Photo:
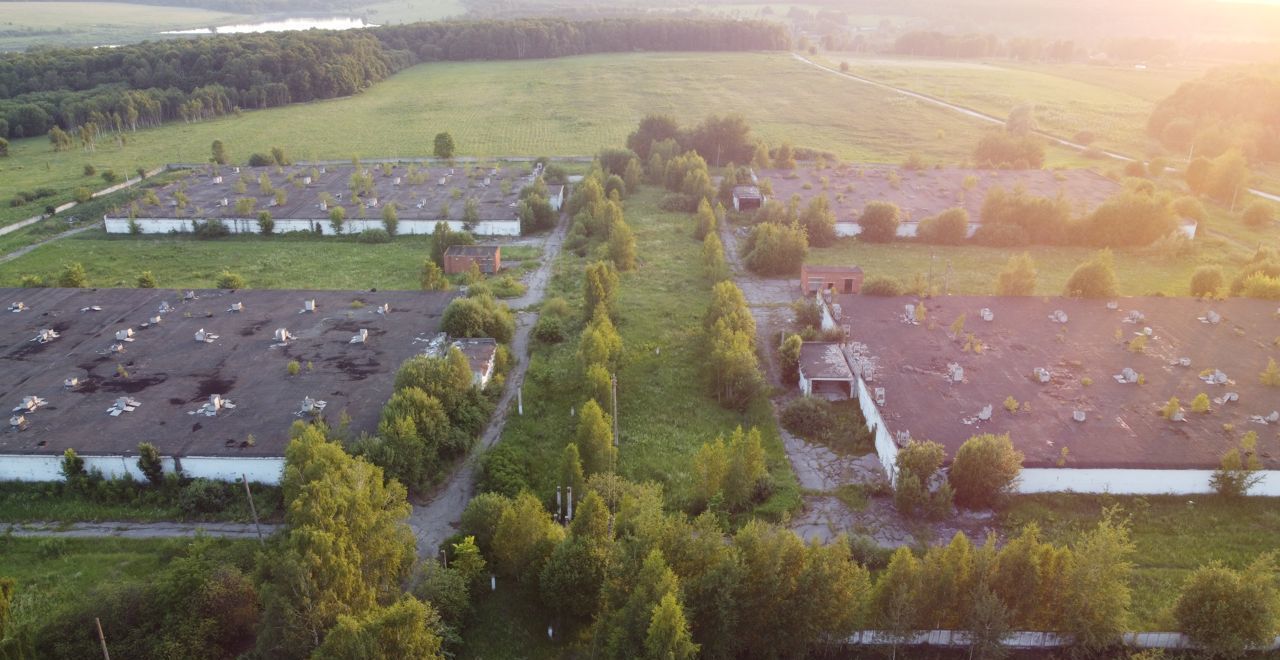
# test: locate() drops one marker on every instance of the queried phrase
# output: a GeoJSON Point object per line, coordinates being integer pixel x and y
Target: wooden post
{"type": "Point", "coordinates": [252, 509]}
{"type": "Point", "coordinates": [102, 639]}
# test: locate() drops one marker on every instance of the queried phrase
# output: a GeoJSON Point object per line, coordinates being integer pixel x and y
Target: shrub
{"type": "Point", "coordinates": [1258, 214]}
{"type": "Point", "coordinates": [149, 463]}
{"type": "Point", "coordinates": [985, 469]}
{"type": "Point", "coordinates": [807, 416]}
{"type": "Point", "coordinates": [1226, 612]}
{"type": "Point", "coordinates": [109, 176]}
{"type": "Point", "coordinates": [147, 280]}
{"type": "Point", "coordinates": [879, 222]}
{"type": "Point", "coordinates": [203, 496]}
{"type": "Point", "coordinates": [73, 276]}
{"type": "Point", "coordinates": [83, 195]}
{"type": "Point", "coordinates": [266, 225]}
{"type": "Point", "coordinates": [808, 315]}
{"type": "Point", "coordinates": [1018, 277]}
{"type": "Point", "coordinates": [374, 236]}
{"type": "Point", "coordinates": [772, 249]}
{"type": "Point", "coordinates": [1206, 281]}
{"type": "Point", "coordinates": [951, 227]}
{"type": "Point", "coordinates": [1260, 286]}
{"type": "Point", "coordinates": [998, 149]}
{"type": "Point", "coordinates": [210, 229]}
{"type": "Point", "coordinates": [478, 316]}
{"type": "Point", "coordinates": [1271, 375]}
{"type": "Point", "coordinates": [229, 280]}
{"type": "Point", "coordinates": [789, 359]}
{"type": "Point", "coordinates": [999, 235]}
{"type": "Point", "coordinates": [293, 368]}
{"type": "Point", "coordinates": [1095, 278]}
{"type": "Point", "coordinates": [260, 160]}
{"type": "Point", "coordinates": [879, 285]}
{"type": "Point", "coordinates": [90, 170]}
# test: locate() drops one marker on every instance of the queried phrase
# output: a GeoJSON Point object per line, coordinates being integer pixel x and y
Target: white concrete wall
{"type": "Point", "coordinates": [828, 321]}
{"type": "Point", "coordinates": [1132, 481]}
{"type": "Point", "coordinates": [48, 467]}
{"type": "Point", "coordinates": [885, 448]}
{"type": "Point", "coordinates": [806, 387]}
{"type": "Point", "coordinates": [905, 229]}
{"type": "Point", "coordinates": [350, 226]}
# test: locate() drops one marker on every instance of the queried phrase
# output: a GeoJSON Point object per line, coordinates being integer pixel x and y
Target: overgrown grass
{"type": "Point", "coordinates": [1174, 535]}
{"type": "Point", "coordinates": [53, 502]}
{"type": "Point", "coordinates": [664, 407]}
{"type": "Point", "coordinates": [972, 269]}
{"type": "Point", "coordinates": [279, 262]}
{"type": "Point", "coordinates": [508, 623]}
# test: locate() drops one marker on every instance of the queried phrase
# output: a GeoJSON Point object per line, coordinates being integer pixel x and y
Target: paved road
{"type": "Point", "coordinates": [982, 116]}
{"type": "Point", "coordinates": [437, 520]}
{"type": "Point", "coordinates": [136, 530]}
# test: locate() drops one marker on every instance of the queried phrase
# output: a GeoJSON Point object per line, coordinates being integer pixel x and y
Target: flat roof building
{"type": "Point", "coordinates": [196, 375]}
{"type": "Point", "coordinates": [458, 258]}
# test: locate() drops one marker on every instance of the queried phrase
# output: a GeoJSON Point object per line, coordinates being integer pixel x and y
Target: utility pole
{"type": "Point", "coordinates": [252, 509]}
{"type": "Point", "coordinates": [613, 386]}
{"type": "Point", "coordinates": [102, 639]}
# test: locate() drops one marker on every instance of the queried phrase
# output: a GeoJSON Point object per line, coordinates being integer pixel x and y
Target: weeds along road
{"type": "Point", "coordinates": [140, 530]}
{"type": "Point", "coordinates": [437, 520]}
{"type": "Point", "coordinates": [982, 116]}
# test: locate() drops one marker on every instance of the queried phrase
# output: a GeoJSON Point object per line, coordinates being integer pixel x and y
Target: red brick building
{"type": "Point", "coordinates": [843, 279]}
{"type": "Point", "coordinates": [458, 258]}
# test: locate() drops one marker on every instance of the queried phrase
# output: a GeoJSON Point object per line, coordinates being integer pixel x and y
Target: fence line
{"type": "Point", "coordinates": [1026, 640]}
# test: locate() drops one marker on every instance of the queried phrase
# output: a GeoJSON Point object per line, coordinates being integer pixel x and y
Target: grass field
{"type": "Point", "coordinates": [974, 268]}
{"type": "Point", "coordinates": [1173, 535]}
{"type": "Point", "coordinates": [411, 11]}
{"type": "Point", "coordinates": [22, 502]}
{"type": "Point", "coordinates": [664, 410]}
{"type": "Point", "coordinates": [25, 24]}
{"type": "Point", "coordinates": [1112, 102]}
{"type": "Point", "coordinates": [569, 106]}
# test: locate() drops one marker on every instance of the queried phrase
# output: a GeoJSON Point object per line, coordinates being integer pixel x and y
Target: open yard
{"type": "Point", "coordinates": [1173, 535]}
{"type": "Point", "coordinates": [665, 411]}
{"type": "Point", "coordinates": [569, 106]}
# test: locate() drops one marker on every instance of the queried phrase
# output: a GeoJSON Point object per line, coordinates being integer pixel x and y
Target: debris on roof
{"type": "Point", "coordinates": [30, 403]}
{"type": "Point", "coordinates": [45, 335]}
{"type": "Point", "coordinates": [17, 306]}
{"type": "Point", "coordinates": [123, 404]}
{"type": "Point", "coordinates": [215, 405]}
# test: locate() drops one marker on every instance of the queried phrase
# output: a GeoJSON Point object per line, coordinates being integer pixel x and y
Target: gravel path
{"type": "Point", "coordinates": [137, 530]}
{"type": "Point", "coordinates": [437, 520]}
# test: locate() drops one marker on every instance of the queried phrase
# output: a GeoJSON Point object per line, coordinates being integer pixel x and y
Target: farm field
{"type": "Point", "coordinates": [394, 12]}
{"type": "Point", "coordinates": [569, 106]}
{"type": "Point", "coordinates": [974, 268]}
{"type": "Point", "coordinates": [24, 24]}
{"type": "Point", "coordinates": [1172, 535]}
{"type": "Point", "coordinates": [1111, 102]}
{"type": "Point", "coordinates": [665, 412]}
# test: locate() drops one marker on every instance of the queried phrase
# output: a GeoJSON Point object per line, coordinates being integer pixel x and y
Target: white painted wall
{"type": "Point", "coordinates": [48, 467]}
{"type": "Point", "coordinates": [885, 448]}
{"type": "Point", "coordinates": [910, 229]}
{"type": "Point", "coordinates": [1132, 481]}
{"type": "Point", "coordinates": [806, 387]}
{"type": "Point", "coordinates": [828, 321]}
{"type": "Point", "coordinates": [350, 226]}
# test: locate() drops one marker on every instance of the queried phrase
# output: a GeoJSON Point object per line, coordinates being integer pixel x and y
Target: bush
{"type": "Point", "coordinates": [882, 286]}
{"type": "Point", "coordinates": [1226, 612]}
{"type": "Point", "coordinates": [1018, 277]}
{"type": "Point", "coordinates": [266, 225]}
{"type": "Point", "coordinates": [808, 417]}
{"type": "Point", "coordinates": [229, 280]}
{"type": "Point", "coordinates": [1001, 236]}
{"type": "Point", "coordinates": [478, 316]}
{"type": "Point", "coordinates": [772, 249]}
{"type": "Point", "coordinates": [260, 160]}
{"type": "Point", "coordinates": [147, 280]}
{"type": "Point", "coordinates": [998, 149]}
{"type": "Point", "coordinates": [1095, 278]}
{"type": "Point", "coordinates": [985, 469]}
{"type": "Point", "coordinates": [83, 195]}
{"type": "Point", "coordinates": [1206, 282]}
{"type": "Point", "coordinates": [1260, 286]}
{"type": "Point", "coordinates": [951, 227]}
{"type": "Point", "coordinates": [1258, 214]}
{"type": "Point", "coordinates": [203, 496]}
{"type": "Point", "coordinates": [879, 222]}
{"type": "Point", "coordinates": [109, 176]}
{"type": "Point", "coordinates": [503, 471]}
{"type": "Point", "coordinates": [679, 203]}
{"type": "Point", "coordinates": [73, 276]}
{"type": "Point", "coordinates": [210, 229]}
{"type": "Point", "coordinates": [1128, 219]}
{"type": "Point", "coordinates": [374, 236]}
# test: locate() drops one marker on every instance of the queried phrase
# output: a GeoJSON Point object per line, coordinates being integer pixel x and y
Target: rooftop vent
{"type": "Point", "coordinates": [312, 406]}
{"type": "Point", "coordinates": [30, 403]}
{"type": "Point", "coordinates": [879, 395]}
{"type": "Point", "coordinates": [443, 179]}
{"type": "Point", "coordinates": [45, 336]}
{"type": "Point", "coordinates": [124, 335]}
{"type": "Point", "coordinates": [92, 308]}
{"type": "Point", "coordinates": [155, 320]}
{"type": "Point", "coordinates": [902, 438]}
{"type": "Point", "coordinates": [1042, 375]}
{"type": "Point", "coordinates": [1148, 331]}
{"type": "Point", "coordinates": [164, 307]}
{"type": "Point", "coordinates": [214, 406]}
{"type": "Point", "coordinates": [18, 422]}
{"type": "Point", "coordinates": [1135, 316]}
{"type": "Point", "coordinates": [324, 206]}
{"type": "Point", "coordinates": [1127, 375]}
{"type": "Point", "coordinates": [117, 347]}
{"type": "Point", "coordinates": [71, 383]}
{"type": "Point", "coordinates": [1058, 316]}
{"type": "Point", "coordinates": [306, 180]}
{"type": "Point", "coordinates": [955, 373]}
{"type": "Point", "coordinates": [123, 405]}
{"type": "Point", "coordinates": [1184, 362]}
{"type": "Point", "coordinates": [985, 413]}
{"type": "Point", "coordinates": [17, 306]}
{"type": "Point", "coordinates": [224, 202]}
{"type": "Point", "coordinates": [986, 314]}
{"type": "Point", "coordinates": [236, 307]}
{"type": "Point", "coordinates": [384, 308]}
{"type": "Point", "coordinates": [1078, 415]}
{"type": "Point", "coordinates": [360, 337]}
{"type": "Point", "coordinates": [189, 295]}
{"type": "Point", "coordinates": [217, 179]}
{"type": "Point", "coordinates": [1229, 397]}
{"type": "Point", "coordinates": [322, 170]}
{"type": "Point", "coordinates": [396, 181]}
{"type": "Point", "coordinates": [308, 306]}
{"type": "Point", "coordinates": [1113, 305]}
{"type": "Point", "coordinates": [1211, 317]}
{"type": "Point", "coordinates": [1215, 378]}
{"type": "Point", "coordinates": [282, 336]}
{"type": "Point", "coordinates": [205, 337]}
{"type": "Point", "coordinates": [237, 170]}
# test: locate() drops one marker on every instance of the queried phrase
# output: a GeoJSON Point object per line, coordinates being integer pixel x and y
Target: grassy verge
{"type": "Point", "coordinates": [53, 501]}
{"type": "Point", "coordinates": [1174, 535]}
{"type": "Point", "coordinates": [279, 262]}
{"type": "Point", "coordinates": [973, 269]}
{"type": "Point", "coordinates": [507, 623]}
{"type": "Point", "coordinates": [664, 409]}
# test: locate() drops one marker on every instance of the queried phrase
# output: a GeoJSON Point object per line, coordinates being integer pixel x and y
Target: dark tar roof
{"type": "Point", "coordinates": [747, 192]}
{"type": "Point", "coordinates": [1122, 428]}
{"type": "Point", "coordinates": [171, 374]}
{"type": "Point", "coordinates": [472, 250]}
{"type": "Point", "coordinates": [479, 352]}
{"type": "Point", "coordinates": [824, 361]}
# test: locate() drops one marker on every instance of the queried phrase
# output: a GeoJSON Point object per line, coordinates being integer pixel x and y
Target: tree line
{"type": "Point", "coordinates": [121, 89]}
{"type": "Point", "coordinates": [1228, 107]}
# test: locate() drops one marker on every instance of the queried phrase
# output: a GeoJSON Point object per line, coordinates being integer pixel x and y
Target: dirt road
{"type": "Point", "coordinates": [137, 530]}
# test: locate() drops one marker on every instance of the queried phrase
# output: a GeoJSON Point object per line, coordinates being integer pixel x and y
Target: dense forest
{"type": "Point", "coordinates": [1231, 107]}
{"type": "Point", "coordinates": [150, 83]}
